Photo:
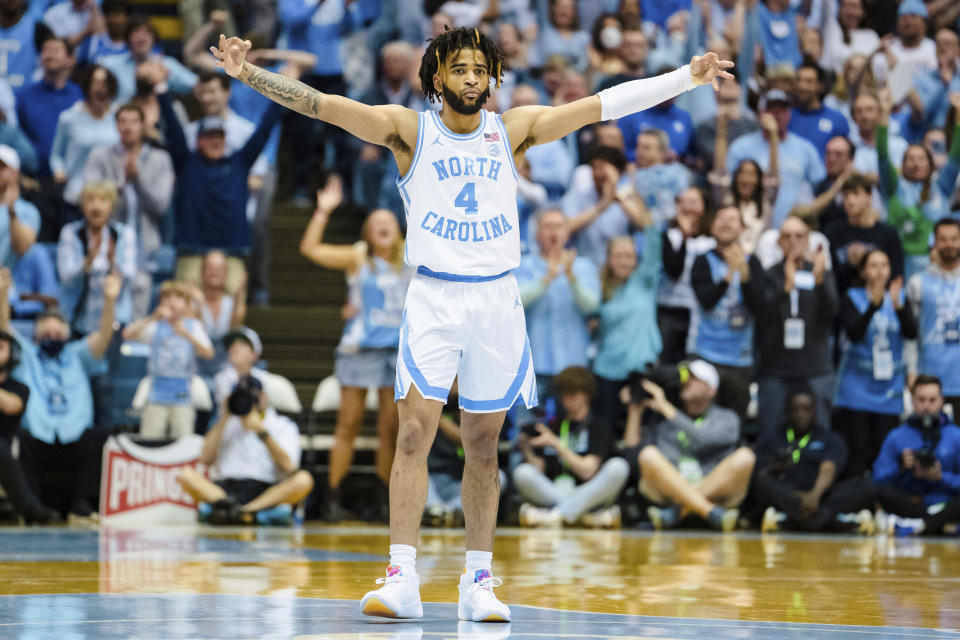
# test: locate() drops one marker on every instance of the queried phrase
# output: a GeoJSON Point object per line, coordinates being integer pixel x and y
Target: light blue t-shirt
{"type": "Point", "coordinates": [659, 187]}
{"type": "Point", "coordinates": [573, 48]}
{"type": "Point", "coordinates": [723, 334]}
{"type": "Point", "coordinates": [27, 214]}
{"type": "Point", "coordinates": [935, 96]}
{"type": "Point", "coordinates": [858, 388]}
{"type": "Point", "coordinates": [778, 36]}
{"type": "Point", "coordinates": [318, 27]}
{"type": "Point", "coordinates": [939, 338]}
{"type": "Point", "coordinates": [61, 403]}
{"type": "Point", "coordinates": [628, 336]}
{"type": "Point", "coordinates": [173, 363]}
{"type": "Point", "coordinates": [123, 66]}
{"type": "Point", "coordinates": [557, 328]}
{"type": "Point", "coordinates": [800, 168]}
{"type": "Point", "coordinates": [19, 58]}
{"type": "Point", "coordinates": [378, 292]}
{"type": "Point", "coordinates": [551, 165]}
{"type": "Point", "coordinates": [591, 241]}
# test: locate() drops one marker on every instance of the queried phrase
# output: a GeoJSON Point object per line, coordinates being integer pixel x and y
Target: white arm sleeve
{"type": "Point", "coordinates": [637, 95]}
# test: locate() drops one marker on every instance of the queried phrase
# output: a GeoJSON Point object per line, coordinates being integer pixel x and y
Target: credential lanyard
{"type": "Point", "coordinates": [795, 451]}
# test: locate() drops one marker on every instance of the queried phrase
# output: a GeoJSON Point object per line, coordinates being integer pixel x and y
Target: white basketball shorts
{"type": "Point", "coordinates": [474, 331]}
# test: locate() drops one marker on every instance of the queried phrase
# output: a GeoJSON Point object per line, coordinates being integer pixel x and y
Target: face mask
{"type": "Point", "coordinates": [52, 347]}
{"type": "Point", "coordinates": [610, 37]}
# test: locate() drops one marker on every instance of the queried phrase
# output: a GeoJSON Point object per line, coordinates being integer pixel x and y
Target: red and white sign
{"type": "Point", "coordinates": [139, 484]}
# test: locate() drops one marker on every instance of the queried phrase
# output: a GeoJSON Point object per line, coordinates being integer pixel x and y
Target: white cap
{"type": "Point", "coordinates": [10, 157]}
{"type": "Point", "coordinates": [246, 334]}
{"type": "Point", "coordinates": [705, 372]}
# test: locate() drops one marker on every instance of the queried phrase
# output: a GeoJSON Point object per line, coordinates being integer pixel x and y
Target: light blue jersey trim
{"type": "Point", "coordinates": [426, 389]}
{"type": "Point", "coordinates": [461, 136]}
{"type": "Point", "coordinates": [510, 397]}
{"type": "Point", "coordinates": [454, 277]}
{"type": "Point", "coordinates": [506, 141]}
{"type": "Point", "coordinates": [416, 154]}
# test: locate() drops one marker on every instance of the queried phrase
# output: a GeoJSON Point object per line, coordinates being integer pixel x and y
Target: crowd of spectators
{"type": "Point", "coordinates": [778, 260]}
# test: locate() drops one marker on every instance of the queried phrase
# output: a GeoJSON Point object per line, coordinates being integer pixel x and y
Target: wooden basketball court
{"type": "Point", "coordinates": [202, 582]}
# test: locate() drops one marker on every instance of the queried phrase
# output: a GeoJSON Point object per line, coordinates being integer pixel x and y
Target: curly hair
{"type": "Point", "coordinates": [450, 42]}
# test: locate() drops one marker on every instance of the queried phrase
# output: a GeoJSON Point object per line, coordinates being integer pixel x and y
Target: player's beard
{"type": "Point", "coordinates": [461, 106]}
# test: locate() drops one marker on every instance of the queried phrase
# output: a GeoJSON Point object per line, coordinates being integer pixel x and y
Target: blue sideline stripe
{"type": "Point", "coordinates": [454, 277]}
{"type": "Point", "coordinates": [510, 397]}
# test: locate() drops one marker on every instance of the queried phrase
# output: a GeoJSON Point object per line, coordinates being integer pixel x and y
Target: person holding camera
{"type": "Point", "coordinates": [918, 469]}
{"type": "Point", "coordinates": [568, 470]}
{"type": "Point", "coordinates": [876, 319]}
{"type": "Point", "coordinates": [254, 454]}
{"type": "Point", "coordinates": [689, 460]}
{"type": "Point", "coordinates": [797, 467]}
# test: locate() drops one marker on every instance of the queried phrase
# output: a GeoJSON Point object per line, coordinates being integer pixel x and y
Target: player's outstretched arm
{"type": "Point", "coordinates": [387, 125]}
{"type": "Point", "coordinates": [532, 125]}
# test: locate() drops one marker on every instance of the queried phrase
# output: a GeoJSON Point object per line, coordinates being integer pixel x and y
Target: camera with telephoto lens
{"type": "Point", "coordinates": [929, 425]}
{"type": "Point", "coordinates": [529, 428]}
{"type": "Point", "coordinates": [926, 457]}
{"type": "Point", "coordinates": [245, 396]}
{"type": "Point", "coordinates": [667, 377]}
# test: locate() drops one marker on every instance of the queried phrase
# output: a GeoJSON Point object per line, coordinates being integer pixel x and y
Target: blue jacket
{"type": "Point", "coordinates": [317, 27]}
{"type": "Point", "coordinates": [39, 106]}
{"type": "Point", "coordinates": [886, 469]}
{"type": "Point", "coordinates": [212, 195]}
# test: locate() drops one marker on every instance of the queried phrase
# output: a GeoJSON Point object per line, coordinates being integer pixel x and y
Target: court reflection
{"type": "Point", "coordinates": [817, 580]}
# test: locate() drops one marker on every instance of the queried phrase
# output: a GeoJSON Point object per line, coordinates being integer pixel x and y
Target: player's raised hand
{"type": "Point", "coordinates": [230, 54]}
{"type": "Point", "coordinates": [708, 68]}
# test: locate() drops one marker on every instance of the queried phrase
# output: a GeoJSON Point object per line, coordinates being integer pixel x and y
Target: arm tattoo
{"type": "Point", "coordinates": [288, 92]}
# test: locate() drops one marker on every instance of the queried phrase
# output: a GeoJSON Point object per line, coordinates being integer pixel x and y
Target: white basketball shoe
{"type": "Point", "coordinates": [399, 597]}
{"type": "Point", "coordinates": [477, 602]}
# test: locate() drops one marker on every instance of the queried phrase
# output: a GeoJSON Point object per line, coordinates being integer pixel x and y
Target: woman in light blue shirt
{"type": "Point", "coordinates": [628, 338]}
{"type": "Point", "coordinates": [84, 126]}
{"type": "Point", "coordinates": [563, 36]}
{"type": "Point", "coordinates": [366, 357]}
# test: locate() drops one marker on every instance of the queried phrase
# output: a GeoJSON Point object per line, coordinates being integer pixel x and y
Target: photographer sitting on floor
{"type": "Point", "coordinates": [254, 453]}
{"type": "Point", "coordinates": [689, 461]}
{"type": "Point", "coordinates": [797, 466]}
{"type": "Point", "coordinates": [918, 469]}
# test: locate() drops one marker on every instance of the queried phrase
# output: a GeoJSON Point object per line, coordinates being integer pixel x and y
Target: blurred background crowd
{"type": "Point", "coordinates": [775, 264]}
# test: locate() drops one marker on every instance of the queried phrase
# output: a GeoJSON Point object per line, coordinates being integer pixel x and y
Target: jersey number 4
{"type": "Point", "coordinates": [467, 199]}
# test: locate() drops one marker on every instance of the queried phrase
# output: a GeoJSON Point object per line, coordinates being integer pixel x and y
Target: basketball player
{"type": "Point", "coordinates": [463, 317]}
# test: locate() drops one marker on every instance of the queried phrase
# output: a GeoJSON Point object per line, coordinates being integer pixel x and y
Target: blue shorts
{"type": "Point", "coordinates": [366, 368]}
{"type": "Point", "coordinates": [474, 331]}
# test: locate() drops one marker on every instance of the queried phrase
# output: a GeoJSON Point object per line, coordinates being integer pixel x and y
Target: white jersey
{"type": "Point", "coordinates": [460, 196]}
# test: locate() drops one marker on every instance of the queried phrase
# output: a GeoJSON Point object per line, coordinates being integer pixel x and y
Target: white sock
{"type": "Point", "coordinates": [405, 557]}
{"type": "Point", "coordinates": [477, 560]}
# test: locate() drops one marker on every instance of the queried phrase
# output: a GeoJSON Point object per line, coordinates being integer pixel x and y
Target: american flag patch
{"type": "Point", "coordinates": [491, 137]}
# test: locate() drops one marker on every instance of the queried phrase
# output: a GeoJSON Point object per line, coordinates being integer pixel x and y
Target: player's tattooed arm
{"type": "Point", "coordinates": [288, 92]}
{"type": "Point", "coordinates": [392, 126]}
